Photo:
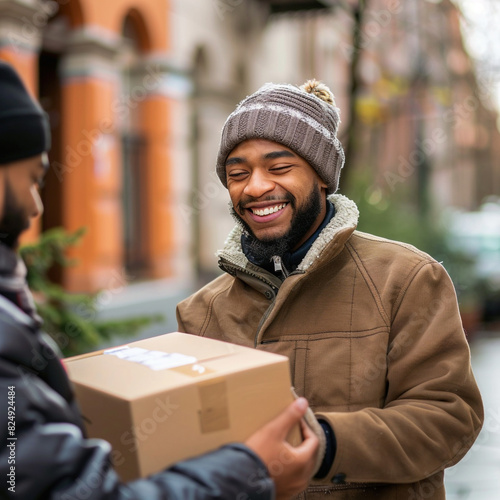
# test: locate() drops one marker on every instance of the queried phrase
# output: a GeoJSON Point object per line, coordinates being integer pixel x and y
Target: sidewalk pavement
{"type": "Point", "coordinates": [149, 299]}
{"type": "Point", "coordinates": [477, 475]}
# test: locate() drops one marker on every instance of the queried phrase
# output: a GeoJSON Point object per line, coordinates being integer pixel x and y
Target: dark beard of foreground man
{"type": "Point", "coordinates": [304, 217]}
{"type": "Point", "coordinates": [14, 220]}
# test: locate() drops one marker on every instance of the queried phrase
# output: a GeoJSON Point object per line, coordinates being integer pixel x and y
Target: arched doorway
{"type": "Point", "coordinates": [60, 18]}
{"type": "Point", "coordinates": [49, 85]}
{"type": "Point", "coordinates": [134, 145]}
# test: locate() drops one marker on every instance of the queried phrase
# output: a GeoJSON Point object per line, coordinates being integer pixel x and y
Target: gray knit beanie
{"type": "Point", "coordinates": [304, 119]}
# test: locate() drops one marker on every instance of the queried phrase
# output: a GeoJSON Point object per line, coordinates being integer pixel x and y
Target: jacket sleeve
{"type": "Point", "coordinates": [433, 410]}
{"type": "Point", "coordinates": [51, 460]}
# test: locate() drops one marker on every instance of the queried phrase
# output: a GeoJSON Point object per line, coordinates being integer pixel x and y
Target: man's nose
{"type": "Point", "coordinates": [37, 208]}
{"type": "Point", "coordinates": [259, 183]}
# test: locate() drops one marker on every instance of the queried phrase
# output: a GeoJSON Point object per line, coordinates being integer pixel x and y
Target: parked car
{"type": "Point", "coordinates": [476, 235]}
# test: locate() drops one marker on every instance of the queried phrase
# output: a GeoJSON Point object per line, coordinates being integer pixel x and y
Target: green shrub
{"type": "Point", "coordinates": [70, 319]}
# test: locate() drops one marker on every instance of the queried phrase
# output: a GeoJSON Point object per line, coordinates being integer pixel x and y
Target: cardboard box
{"type": "Point", "coordinates": [168, 398]}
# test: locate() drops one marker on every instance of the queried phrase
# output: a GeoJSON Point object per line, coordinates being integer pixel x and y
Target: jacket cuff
{"type": "Point", "coordinates": [331, 450]}
{"type": "Point", "coordinates": [248, 451]}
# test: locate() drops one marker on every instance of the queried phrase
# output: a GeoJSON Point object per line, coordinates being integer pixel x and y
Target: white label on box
{"type": "Point", "coordinates": [156, 360]}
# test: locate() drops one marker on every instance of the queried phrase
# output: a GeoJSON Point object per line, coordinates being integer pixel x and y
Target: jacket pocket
{"type": "Point", "coordinates": [362, 491]}
{"type": "Point", "coordinates": [342, 371]}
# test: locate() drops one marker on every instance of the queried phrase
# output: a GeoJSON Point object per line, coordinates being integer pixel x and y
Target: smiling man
{"type": "Point", "coordinates": [371, 326]}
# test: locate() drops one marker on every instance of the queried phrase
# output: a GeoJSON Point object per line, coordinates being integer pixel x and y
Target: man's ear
{"type": "Point", "coordinates": [321, 183]}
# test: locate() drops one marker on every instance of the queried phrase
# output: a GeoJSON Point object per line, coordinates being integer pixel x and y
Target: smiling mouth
{"type": "Point", "coordinates": [261, 212]}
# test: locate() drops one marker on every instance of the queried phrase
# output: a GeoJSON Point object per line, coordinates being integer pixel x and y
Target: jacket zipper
{"type": "Point", "coordinates": [225, 264]}
{"type": "Point", "coordinates": [280, 266]}
{"type": "Point", "coordinates": [263, 319]}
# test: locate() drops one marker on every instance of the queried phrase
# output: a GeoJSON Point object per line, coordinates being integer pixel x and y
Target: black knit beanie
{"type": "Point", "coordinates": [24, 126]}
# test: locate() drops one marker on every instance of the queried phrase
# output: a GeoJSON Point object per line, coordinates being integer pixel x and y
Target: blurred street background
{"type": "Point", "coordinates": [476, 476]}
{"type": "Point", "coordinates": [137, 92]}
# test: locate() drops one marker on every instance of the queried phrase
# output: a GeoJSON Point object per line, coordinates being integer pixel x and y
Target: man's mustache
{"type": "Point", "coordinates": [244, 202]}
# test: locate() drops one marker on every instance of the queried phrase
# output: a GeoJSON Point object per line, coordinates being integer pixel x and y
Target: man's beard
{"type": "Point", "coordinates": [302, 220]}
{"type": "Point", "coordinates": [14, 220]}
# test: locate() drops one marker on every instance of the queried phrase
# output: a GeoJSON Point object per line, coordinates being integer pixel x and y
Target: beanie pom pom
{"type": "Point", "coordinates": [320, 90]}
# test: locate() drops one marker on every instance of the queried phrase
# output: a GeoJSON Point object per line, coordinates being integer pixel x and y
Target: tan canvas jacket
{"type": "Point", "coordinates": [376, 344]}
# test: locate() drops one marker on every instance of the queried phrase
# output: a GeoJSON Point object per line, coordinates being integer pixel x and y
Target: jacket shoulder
{"type": "Point", "coordinates": [210, 290]}
{"type": "Point", "coordinates": [193, 311]}
{"type": "Point", "coordinates": [386, 249]}
{"type": "Point", "coordinates": [390, 268]}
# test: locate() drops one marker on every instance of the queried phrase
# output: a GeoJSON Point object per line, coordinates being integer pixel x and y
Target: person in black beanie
{"type": "Point", "coordinates": [43, 452]}
{"type": "Point", "coordinates": [24, 139]}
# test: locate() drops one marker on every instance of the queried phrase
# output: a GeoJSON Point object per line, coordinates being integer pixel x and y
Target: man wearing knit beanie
{"type": "Point", "coordinates": [371, 326]}
{"type": "Point", "coordinates": [24, 142]}
{"type": "Point", "coordinates": [44, 453]}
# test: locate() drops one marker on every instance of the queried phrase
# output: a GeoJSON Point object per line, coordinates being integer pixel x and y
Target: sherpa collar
{"type": "Point", "coordinates": [346, 216]}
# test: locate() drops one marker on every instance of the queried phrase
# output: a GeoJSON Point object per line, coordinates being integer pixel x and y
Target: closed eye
{"type": "Point", "coordinates": [235, 175]}
{"type": "Point", "coordinates": [280, 168]}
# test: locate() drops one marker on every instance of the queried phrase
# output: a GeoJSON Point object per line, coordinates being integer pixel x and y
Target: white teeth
{"type": "Point", "coordinates": [267, 211]}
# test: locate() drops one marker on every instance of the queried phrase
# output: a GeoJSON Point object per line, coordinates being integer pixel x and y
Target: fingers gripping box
{"type": "Point", "coordinates": [171, 397]}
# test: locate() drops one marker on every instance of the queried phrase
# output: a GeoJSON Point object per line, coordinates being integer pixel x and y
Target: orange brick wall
{"type": "Point", "coordinates": [91, 172]}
